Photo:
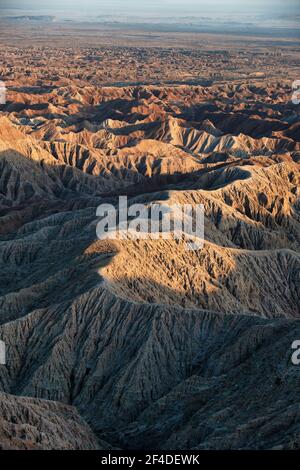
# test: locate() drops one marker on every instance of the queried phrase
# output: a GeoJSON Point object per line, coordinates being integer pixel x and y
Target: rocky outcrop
{"type": "Point", "coordinates": [32, 424]}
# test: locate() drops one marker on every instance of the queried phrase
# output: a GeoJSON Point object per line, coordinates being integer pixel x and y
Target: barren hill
{"type": "Point", "coordinates": [154, 345]}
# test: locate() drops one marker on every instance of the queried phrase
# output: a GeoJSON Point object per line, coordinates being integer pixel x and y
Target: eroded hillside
{"type": "Point", "coordinates": [156, 346]}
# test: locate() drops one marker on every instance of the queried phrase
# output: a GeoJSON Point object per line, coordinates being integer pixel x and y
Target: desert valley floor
{"type": "Point", "coordinates": [142, 344]}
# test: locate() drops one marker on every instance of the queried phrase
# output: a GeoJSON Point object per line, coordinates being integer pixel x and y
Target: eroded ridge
{"type": "Point", "coordinates": [155, 346]}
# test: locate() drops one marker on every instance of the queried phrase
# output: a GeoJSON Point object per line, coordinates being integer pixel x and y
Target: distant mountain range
{"type": "Point", "coordinates": [43, 18]}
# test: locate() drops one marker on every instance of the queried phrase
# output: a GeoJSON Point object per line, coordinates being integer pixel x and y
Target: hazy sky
{"type": "Point", "coordinates": [160, 7]}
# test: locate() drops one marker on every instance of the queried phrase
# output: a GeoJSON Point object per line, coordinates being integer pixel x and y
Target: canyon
{"type": "Point", "coordinates": [142, 344]}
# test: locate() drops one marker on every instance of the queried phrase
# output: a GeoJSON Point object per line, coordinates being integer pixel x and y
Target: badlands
{"type": "Point", "coordinates": [143, 344]}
